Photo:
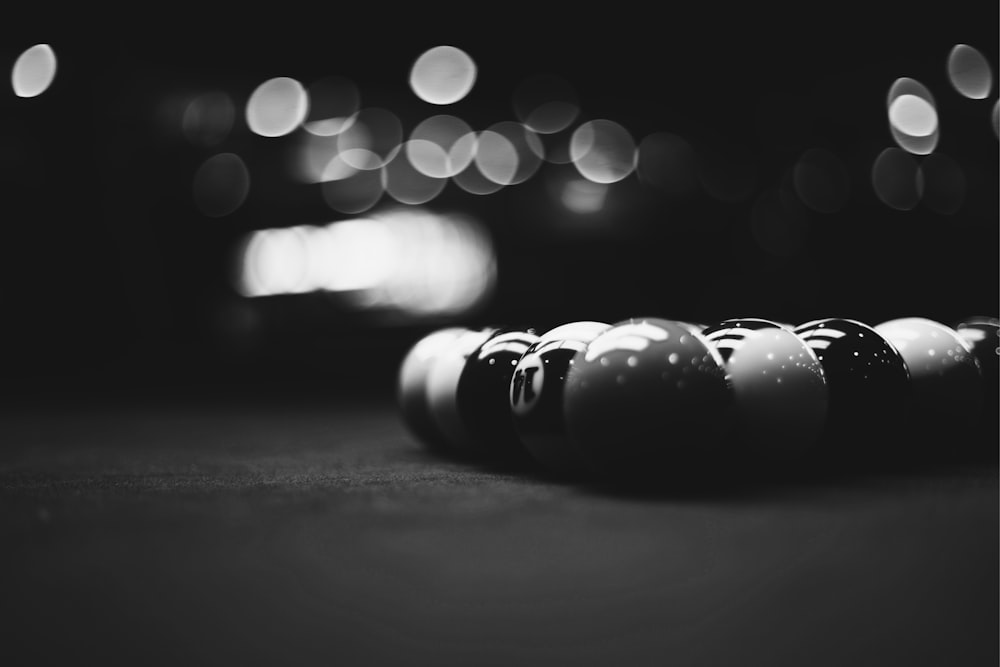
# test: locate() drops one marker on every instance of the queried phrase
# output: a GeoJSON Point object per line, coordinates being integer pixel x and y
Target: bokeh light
{"type": "Point", "coordinates": [526, 146]}
{"type": "Point", "coordinates": [913, 115]}
{"type": "Point", "coordinates": [913, 118]}
{"type": "Point", "coordinates": [221, 185]}
{"type": "Point", "coordinates": [441, 146]}
{"type": "Point", "coordinates": [407, 184]}
{"type": "Point", "coordinates": [603, 151]}
{"type": "Point", "coordinates": [496, 157]}
{"type": "Point", "coordinates": [372, 140]}
{"type": "Point", "coordinates": [208, 118]}
{"type": "Point", "coordinates": [351, 191]}
{"type": "Point", "coordinates": [474, 180]}
{"type": "Point", "coordinates": [277, 107]}
{"type": "Point", "coordinates": [333, 103]}
{"type": "Point", "coordinates": [442, 75]}
{"type": "Point", "coordinates": [969, 72]}
{"type": "Point", "coordinates": [33, 71]}
{"type": "Point", "coordinates": [582, 196]}
{"type": "Point", "coordinates": [546, 103]}
{"type": "Point", "coordinates": [896, 179]}
{"type": "Point", "coordinates": [316, 158]}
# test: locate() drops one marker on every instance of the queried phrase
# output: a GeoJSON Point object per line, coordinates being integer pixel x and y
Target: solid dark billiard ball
{"type": "Point", "coordinates": [536, 396]}
{"type": "Point", "coordinates": [411, 386]}
{"type": "Point", "coordinates": [780, 397]}
{"type": "Point", "coordinates": [868, 384]}
{"type": "Point", "coordinates": [442, 389]}
{"type": "Point", "coordinates": [483, 401]}
{"type": "Point", "coordinates": [946, 377]}
{"type": "Point", "coordinates": [647, 399]}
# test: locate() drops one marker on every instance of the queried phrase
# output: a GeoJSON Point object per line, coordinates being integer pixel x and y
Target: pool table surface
{"type": "Point", "coordinates": [184, 528]}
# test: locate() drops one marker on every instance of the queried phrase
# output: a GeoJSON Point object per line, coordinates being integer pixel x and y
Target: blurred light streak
{"type": "Point", "coordinates": [405, 260]}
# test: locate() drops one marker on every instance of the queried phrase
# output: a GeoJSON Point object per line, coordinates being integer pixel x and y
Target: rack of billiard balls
{"type": "Point", "coordinates": [653, 397]}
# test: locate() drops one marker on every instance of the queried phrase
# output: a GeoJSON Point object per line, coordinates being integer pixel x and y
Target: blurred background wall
{"type": "Point", "coordinates": [295, 195]}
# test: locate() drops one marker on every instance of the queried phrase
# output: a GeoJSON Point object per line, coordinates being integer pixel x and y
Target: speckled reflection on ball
{"type": "Point", "coordinates": [868, 383]}
{"type": "Point", "coordinates": [779, 393]}
{"type": "Point", "coordinates": [647, 397]}
{"type": "Point", "coordinates": [729, 334]}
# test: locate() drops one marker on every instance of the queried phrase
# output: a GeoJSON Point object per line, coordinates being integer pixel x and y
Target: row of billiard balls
{"type": "Point", "coordinates": [651, 395]}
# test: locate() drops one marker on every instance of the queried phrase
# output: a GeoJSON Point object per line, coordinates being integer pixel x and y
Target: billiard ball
{"type": "Point", "coordinates": [780, 397]}
{"type": "Point", "coordinates": [727, 335]}
{"type": "Point", "coordinates": [482, 398]}
{"type": "Point", "coordinates": [536, 397]}
{"type": "Point", "coordinates": [946, 377]}
{"type": "Point", "coordinates": [981, 335]}
{"type": "Point", "coordinates": [442, 385]}
{"type": "Point", "coordinates": [411, 386]}
{"type": "Point", "coordinates": [869, 390]}
{"type": "Point", "coordinates": [647, 400]}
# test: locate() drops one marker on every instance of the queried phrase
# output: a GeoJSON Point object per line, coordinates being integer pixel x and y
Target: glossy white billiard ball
{"type": "Point", "coordinates": [945, 375]}
{"type": "Point", "coordinates": [411, 386]}
{"type": "Point", "coordinates": [442, 390]}
{"type": "Point", "coordinates": [780, 397]}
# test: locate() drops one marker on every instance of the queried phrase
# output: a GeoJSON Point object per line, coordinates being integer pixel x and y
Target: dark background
{"type": "Point", "coordinates": [111, 278]}
{"type": "Point", "coordinates": [310, 526]}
